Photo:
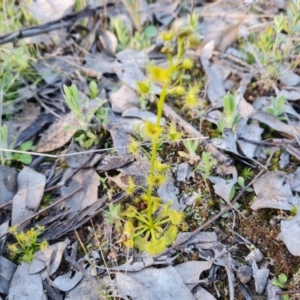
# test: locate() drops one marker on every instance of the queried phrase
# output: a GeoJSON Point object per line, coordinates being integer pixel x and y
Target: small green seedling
{"type": "Point", "coordinates": [112, 215]}
{"type": "Point", "coordinates": [207, 163]}
{"type": "Point", "coordinates": [277, 108]}
{"type": "Point", "coordinates": [230, 116]}
{"type": "Point", "coordinates": [27, 243]}
{"type": "Point", "coordinates": [191, 146]}
{"type": "Point", "coordinates": [281, 281]}
{"type": "Point", "coordinates": [7, 157]}
{"type": "Point", "coordinates": [87, 135]}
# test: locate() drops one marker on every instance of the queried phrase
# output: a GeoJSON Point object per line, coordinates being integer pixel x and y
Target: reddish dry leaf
{"type": "Point", "coordinates": [57, 135]}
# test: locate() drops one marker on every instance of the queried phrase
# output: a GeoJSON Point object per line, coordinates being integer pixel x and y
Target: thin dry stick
{"type": "Point", "coordinates": [288, 292]}
{"type": "Point", "coordinates": [219, 214]}
{"type": "Point", "coordinates": [43, 210]}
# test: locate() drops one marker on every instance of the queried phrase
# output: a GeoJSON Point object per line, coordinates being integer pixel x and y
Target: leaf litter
{"type": "Point", "coordinates": [83, 184]}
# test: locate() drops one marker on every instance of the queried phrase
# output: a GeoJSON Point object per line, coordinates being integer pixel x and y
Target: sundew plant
{"type": "Point", "coordinates": [155, 227]}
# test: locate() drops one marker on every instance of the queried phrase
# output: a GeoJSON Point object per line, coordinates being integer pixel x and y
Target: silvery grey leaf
{"type": "Point", "coordinates": [7, 271]}
{"type": "Point", "coordinates": [26, 202]}
{"type": "Point", "coordinates": [8, 184]}
{"type": "Point", "coordinates": [68, 281]}
{"type": "Point", "coordinates": [26, 286]}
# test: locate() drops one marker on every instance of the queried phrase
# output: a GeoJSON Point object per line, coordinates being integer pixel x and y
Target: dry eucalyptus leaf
{"type": "Point", "coordinates": [190, 271]}
{"type": "Point", "coordinates": [135, 112]}
{"type": "Point", "coordinates": [68, 281]}
{"type": "Point", "coordinates": [113, 162]}
{"type": "Point", "coordinates": [168, 192]}
{"type": "Point", "coordinates": [131, 56]}
{"type": "Point", "coordinates": [290, 232]}
{"type": "Point", "coordinates": [260, 277]}
{"type": "Point", "coordinates": [3, 230]}
{"type": "Point", "coordinates": [223, 187]}
{"type": "Point", "coordinates": [165, 283]}
{"type": "Point", "coordinates": [7, 271]}
{"type": "Point", "coordinates": [8, 184]}
{"type": "Point", "coordinates": [76, 161]}
{"type": "Point", "coordinates": [101, 63]}
{"type": "Point", "coordinates": [251, 132]}
{"type": "Point", "coordinates": [276, 124]}
{"type": "Point", "coordinates": [118, 133]}
{"type": "Point", "coordinates": [288, 77]}
{"type": "Point", "coordinates": [109, 42]}
{"type": "Point", "coordinates": [88, 180]}
{"type": "Point", "coordinates": [19, 122]}
{"type": "Point", "coordinates": [26, 286]}
{"type": "Point", "coordinates": [202, 294]}
{"type": "Point", "coordinates": [292, 95]}
{"type": "Point", "coordinates": [216, 89]}
{"type": "Point", "coordinates": [273, 190]}
{"type": "Point", "coordinates": [85, 290]}
{"type": "Point", "coordinates": [58, 134]}
{"type": "Point", "coordinates": [55, 259]}
{"type": "Point", "coordinates": [26, 202]}
{"type": "Point", "coordinates": [54, 68]}
{"type": "Point", "coordinates": [223, 38]}
{"type": "Point", "coordinates": [46, 11]}
{"type": "Point", "coordinates": [272, 290]}
{"type": "Point", "coordinates": [123, 99]}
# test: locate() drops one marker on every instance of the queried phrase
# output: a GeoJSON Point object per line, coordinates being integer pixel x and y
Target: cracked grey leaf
{"type": "Point", "coordinates": [8, 184]}
{"type": "Point", "coordinates": [165, 283]}
{"type": "Point", "coordinates": [76, 161]}
{"type": "Point", "coordinates": [273, 122]}
{"type": "Point", "coordinates": [85, 290]}
{"type": "Point", "coordinates": [290, 232]}
{"type": "Point", "coordinates": [260, 277]}
{"type": "Point", "coordinates": [284, 159]}
{"type": "Point", "coordinates": [202, 294]}
{"type": "Point", "coordinates": [135, 112]}
{"type": "Point", "coordinates": [190, 271]}
{"type": "Point", "coordinates": [288, 77]}
{"type": "Point", "coordinates": [88, 180]}
{"type": "Point", "coordinates": [26, 202]}
{"type": "Point", "coordinates": [123, 99]}
{"type": "Point", "coordinates": [216, 89]}
{"type": "Point", "coordinates": [7, 271]}
{"type": "Point", "coordinates": [250, 132]}
{"type": "Point", "coordinates": [131, 56]}
{"type": "Point", "coordinates": [3, 230]}
{"type": "Point", "coordinates": [68, 281]}
{"type": "Point", "coordinates": [183, 172]}
{"type": "Point", "coordinates": [272, 290]}
{"type": "Point", "coordinates": [273, 190]}
{"type": "Point", "coordinates": [223, 186]}
{"type": "Point", "coordinates": [47, 261]}
{"type": "Point", "coordinates": [26, 286]}
{"type": "Point", "coordinates": [168, 192]}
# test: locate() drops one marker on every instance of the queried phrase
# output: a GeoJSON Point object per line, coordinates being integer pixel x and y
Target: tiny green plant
{"type": "Point", "coordinates": [138, 41]}
{"type": "Point", "coordinates": [113, 215]}
{"type": "Point", "coordinates": [27, 243]}
{"type": "Point", "coordinates": [230, 116]}
{"type": "Point", "coordinates": [87, 135]}
{"type": "Point", "coordinates": [276, 43]}
{"type": "Point", "coordinates": [277, 107]}
{"type": "Point", "coordinates": [207, 164]}
{"type": "Point", "coordinates": [191, 146]}
{"type": "Point", "coordinates": [281, 281]}
{"type": "Point", "coordinates": [7, 158]}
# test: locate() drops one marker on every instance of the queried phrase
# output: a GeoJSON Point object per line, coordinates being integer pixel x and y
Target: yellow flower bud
{"type": "Point", "coordinates": [167, 35]}
{"type": "Point", "coordinates": [184, 32]}
{"type": "Point", "coordinates": [194, 40]}
{"type": "Point", "coordinates": [187, 64]}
